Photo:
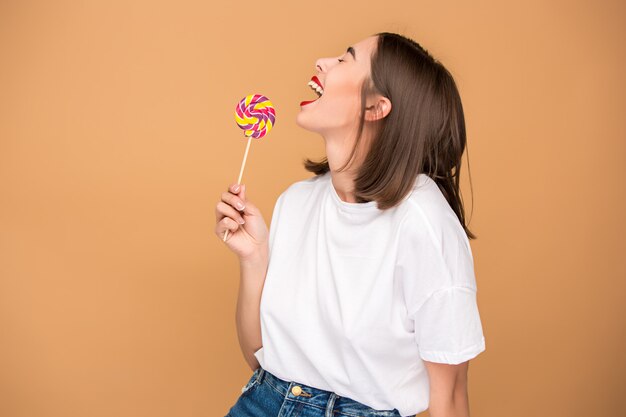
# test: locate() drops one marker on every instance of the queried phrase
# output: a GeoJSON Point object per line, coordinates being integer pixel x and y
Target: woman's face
{"type": "Point", "coordinates": [337, 110]}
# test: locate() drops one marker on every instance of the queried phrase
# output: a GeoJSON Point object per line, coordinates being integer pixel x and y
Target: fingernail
{"type": "Point", "coordinates": [241, 221]}
{"type": "Point", "coordinates": [240, 206]}
{"type": "Point", "coordinates": [236, 188]}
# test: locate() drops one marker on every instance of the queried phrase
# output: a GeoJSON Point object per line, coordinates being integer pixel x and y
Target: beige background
{"type": "Point", "coordinates": [117, 138]}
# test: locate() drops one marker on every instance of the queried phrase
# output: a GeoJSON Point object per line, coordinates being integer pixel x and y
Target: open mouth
{"type": "Point", "coordinates": [316, 86]}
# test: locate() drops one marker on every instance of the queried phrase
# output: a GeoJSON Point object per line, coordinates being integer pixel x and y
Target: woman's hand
{"type": "Point", "coordinates": [248, 234]}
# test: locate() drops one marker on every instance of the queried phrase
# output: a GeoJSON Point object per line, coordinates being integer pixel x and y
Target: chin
{"type": "Point", "coordinates": [302, 122]}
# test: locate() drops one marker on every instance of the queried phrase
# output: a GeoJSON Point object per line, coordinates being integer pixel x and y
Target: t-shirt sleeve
{"type": "Point", "coordinates": [436, 271]}
{"type": "Point", "coordinates": [448, 327]}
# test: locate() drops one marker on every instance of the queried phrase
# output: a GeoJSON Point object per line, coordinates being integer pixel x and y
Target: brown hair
{"type": "Point", "coordinates": [423, 133]}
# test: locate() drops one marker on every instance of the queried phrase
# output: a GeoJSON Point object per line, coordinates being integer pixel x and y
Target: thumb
{"type": "Point", "coordinates": [242, 193]}
{"type": "Point", "coordinates": [250, 208]}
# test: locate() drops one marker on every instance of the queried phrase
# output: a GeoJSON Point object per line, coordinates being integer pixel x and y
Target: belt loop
{"type": "Point", "coordinates": [259, 377]}
{"type": "Point", "coordinates": [330, 405]}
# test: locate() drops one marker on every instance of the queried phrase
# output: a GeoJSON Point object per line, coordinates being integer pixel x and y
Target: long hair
{"type": "Point", "coordinates": [423, 133]}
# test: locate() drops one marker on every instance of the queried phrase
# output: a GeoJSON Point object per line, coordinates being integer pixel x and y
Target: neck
{"type": "Point", "coordinates": [337, 152]}
{"type": "Point", "coordinates": [344, 186]}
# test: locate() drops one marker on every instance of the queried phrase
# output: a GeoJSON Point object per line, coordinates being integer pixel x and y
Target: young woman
{"type": "Point", "coordinates": [368, 303]}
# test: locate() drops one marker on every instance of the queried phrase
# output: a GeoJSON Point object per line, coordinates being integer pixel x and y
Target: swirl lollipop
{"type": "Point", "coordinates": [254, 114]}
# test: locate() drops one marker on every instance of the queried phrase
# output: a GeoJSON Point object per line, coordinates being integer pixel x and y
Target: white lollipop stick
{"type": "Point", "coordinates": [243, 164]}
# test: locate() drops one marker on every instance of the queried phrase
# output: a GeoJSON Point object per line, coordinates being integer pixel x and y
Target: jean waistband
{"type": "Point", "coordinates": [320, 398]}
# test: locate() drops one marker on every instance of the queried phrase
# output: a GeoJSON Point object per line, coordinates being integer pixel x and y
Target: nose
{"type": "Point", "coordinates": [323, 64]}
{"type": "Point", "coordinates": [318, 65]}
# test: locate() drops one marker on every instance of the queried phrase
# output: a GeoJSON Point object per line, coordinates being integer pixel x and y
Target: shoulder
{"type": "Point", "coordinates": [293, 202]}
{"type": "Point", "coordinates": [428, 214]}
{"type": "Point", "coordinates": [305, 189]}
{"type": "Point", "coordinates": [432, 233]}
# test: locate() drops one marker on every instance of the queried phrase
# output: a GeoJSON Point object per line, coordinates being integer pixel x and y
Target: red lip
{"type": "Point", "coordinates": [318, 82]}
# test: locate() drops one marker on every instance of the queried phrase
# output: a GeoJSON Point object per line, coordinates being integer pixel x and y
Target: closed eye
{"type": "Point", "coordinates": [340, 60]}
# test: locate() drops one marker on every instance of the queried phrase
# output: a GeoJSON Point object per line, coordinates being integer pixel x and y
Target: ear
{"type": "Point", "coordinates": [378, 107]}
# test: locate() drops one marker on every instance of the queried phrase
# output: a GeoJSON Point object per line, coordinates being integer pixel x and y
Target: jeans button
{"type": "Point", "coordinates": [296, 390]}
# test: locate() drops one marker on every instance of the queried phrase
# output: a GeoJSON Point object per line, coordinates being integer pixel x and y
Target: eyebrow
{"type": "Point", "coordinates": [351, 50]}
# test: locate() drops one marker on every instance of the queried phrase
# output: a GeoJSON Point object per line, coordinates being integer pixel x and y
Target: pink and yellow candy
{"type": "Point", "coordinates": [255, 114]}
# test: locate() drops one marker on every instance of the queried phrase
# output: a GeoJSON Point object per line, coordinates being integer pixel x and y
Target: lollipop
{"type": "Point", "coordinates": [254, 114]}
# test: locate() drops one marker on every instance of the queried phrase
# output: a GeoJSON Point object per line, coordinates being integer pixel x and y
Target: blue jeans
{"type": "Point", "coordinates": [266, 395]}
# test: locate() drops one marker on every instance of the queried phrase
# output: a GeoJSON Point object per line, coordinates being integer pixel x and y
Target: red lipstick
{"type": "Point", "coordinates": [318, 82]}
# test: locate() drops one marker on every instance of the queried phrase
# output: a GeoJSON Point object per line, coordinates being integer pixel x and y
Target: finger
{"type": "Point", "coordinates": [250, 208]}
{"type": "Point", "coordinates": [242, 194]}
{"type": "Point", "coordinates": [234, 188]}
{"type": "Point", "coordinates": [233, 200]}
{"type": "Point", "coordinates": [224, 210]}
{"type": "Point", "coordinates": [227, 224]}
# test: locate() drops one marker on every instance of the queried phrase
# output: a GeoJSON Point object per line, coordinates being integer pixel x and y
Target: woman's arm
{"type": "Point", "coordinates": [248, 315]}
{"type": "Point", "coordinates": [448, 389]}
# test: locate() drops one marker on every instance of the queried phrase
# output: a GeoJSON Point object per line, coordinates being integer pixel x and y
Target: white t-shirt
{"type": "Point", "coordinates": [355, 298]}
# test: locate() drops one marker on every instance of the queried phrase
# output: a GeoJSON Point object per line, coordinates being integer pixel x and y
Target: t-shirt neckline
{"type": "Point", "coordinates": [353, 207]}
{"type": "Point", "coordinates": [370, 206]}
